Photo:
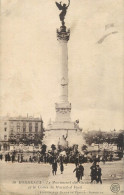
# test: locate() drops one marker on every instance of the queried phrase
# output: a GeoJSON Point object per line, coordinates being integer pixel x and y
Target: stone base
{"type": "Point", "coordinates": [62, 133]}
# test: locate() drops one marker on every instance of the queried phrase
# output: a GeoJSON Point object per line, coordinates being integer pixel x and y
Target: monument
{"type": "Point", "coordinates": [62, 131]}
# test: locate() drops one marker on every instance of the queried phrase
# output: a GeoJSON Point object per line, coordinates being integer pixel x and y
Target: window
{"type": "Point", "coordinates": [11, 131]}
{"type": "Point", "coordinates": [5, 137]}
{"type": "Point", "coordinates": [36, 127]}
{"type": "Point", "coordinates": [36, 124]}
{"type": "Point", "coordinates": [5, 129]}
{"type": "Point", "coordinates": [24, 129]}
{"type": "Point", "coordinates": [24, 124]}
{"type": "Point", "coordinates": [30, 127]}
{"type": "Point", "coordinates": [18, 124]}
{"type": "Point", "coordinates": [18, 129]}
{"type": "Point", "coordinates": [5, 123]}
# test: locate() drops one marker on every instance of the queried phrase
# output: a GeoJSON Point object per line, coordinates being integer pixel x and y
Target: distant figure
{"type": "Point", "coordinates": [1, 156]}
{"type": "Point", "coordinates": [93, 172]}
{"type": "Point", "coordinates": [103, 159]}
{"type": "Point", "coordinates": [8, 157]}
{"type": "Point", "coordinates": [78, 173]}
{"type": "Point", "coordinates": [30, 159]}
{"type": "Point", "coordinates": [99, 174]}
{"type": "Point", "coordinates": [54, 167]}
{"type": "Point", "coordinates": [21, 158]}
{"type": "Point", "coordinates": [13, 158]}
{"type": "Point", "coordinates": [61, 167]}
{"type": "Point", "coordinates": [81, 168]}
{"type": "Point", "coordinates": [18, 158]}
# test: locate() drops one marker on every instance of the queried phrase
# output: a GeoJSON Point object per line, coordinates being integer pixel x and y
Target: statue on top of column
{"type": "Point", "coordinates": [64, 8]}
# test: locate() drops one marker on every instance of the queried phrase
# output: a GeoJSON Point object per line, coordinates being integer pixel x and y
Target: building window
{"type": "Point", "coordinates": [18, 124]}
{"type": "Point", "coordinates": [30, 127]}
{"type": "Point", "coordinates": [5, 123]}
{"type": "Point", "coordinates": [24, 129]}
{"type": "Point", "coordinates": [24, 124]}
{"type": "Point", "coordinates": [18, 129]}
{"type": "Point", "coordinates": [36, 124]}
{"type": "Point", "coordinates": [5, 129]}
{"type": "Point", "coordinates": [11, 131]}
{"type": "Point", "coordinates": [36, 127]}
{"type": "Point", "coordinates": [5, 137]}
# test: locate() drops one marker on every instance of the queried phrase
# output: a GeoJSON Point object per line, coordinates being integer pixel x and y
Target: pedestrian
{"type": "Point", "coordinates": [99, 174]}
{"type": "Point", "coordinates": [93, 172]}
{"type": "Point", "coordinates": [30, 159]}
{"type": "Point", "coordinates": [8, 156]}
{"type": "Point", "coordinates": [54, 167]}
{"type": "Point", "coordinates": [81, 168]}
{"type": "Point", "coordinates": [78, 173]}
{"type": "Point", "coordinates": [18, 158]}
{"type": "Point", "coordinates": [21, 158]}
{"type": "Point", "coordinates": [13, 158]}
{"type": "Point", "coordinates": [61, 164]}
{"type": "Point", "coordinates": [61, 167]}
{"type": "Point", "coordinates": [103, 159]}
{"type": "Point", "coordinates": [6, 159]}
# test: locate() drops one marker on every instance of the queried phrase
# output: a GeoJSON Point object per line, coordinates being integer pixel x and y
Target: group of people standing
{"type": "Point", "coordinates": [54, 165]}
{"type": "Point", "coordinates": [96, 173]}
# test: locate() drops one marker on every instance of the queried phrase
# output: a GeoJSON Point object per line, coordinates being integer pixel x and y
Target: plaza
{"type": "Point", "coordinates": [34, 178]}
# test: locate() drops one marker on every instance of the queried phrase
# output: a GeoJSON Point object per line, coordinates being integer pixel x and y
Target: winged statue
{"type": "Point", "coordinates": [64, 8]}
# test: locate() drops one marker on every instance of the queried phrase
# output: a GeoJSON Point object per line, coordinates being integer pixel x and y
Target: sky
{"type": "Point", "coordinates": [30, 71]}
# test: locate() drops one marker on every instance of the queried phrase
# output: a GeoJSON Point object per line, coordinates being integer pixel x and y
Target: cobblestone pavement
{"type": "Point", "coordinates": [37, 179]}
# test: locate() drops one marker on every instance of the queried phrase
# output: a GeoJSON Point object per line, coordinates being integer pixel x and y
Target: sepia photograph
{"type": "Point", "coordinates": [61, 97]}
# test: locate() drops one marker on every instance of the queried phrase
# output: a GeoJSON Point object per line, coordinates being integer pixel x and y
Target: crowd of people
{"type": "Point", "coordinates": [59, 161]}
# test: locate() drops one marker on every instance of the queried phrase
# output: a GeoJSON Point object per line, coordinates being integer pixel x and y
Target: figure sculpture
{"type": "Point", "coordinates": [64, 8]}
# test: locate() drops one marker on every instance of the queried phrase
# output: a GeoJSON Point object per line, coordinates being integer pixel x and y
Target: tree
{"type": "Point", "coordinates": [120, 141]}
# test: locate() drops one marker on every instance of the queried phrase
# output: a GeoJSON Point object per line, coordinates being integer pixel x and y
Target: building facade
{"type": "Point", "coordinates": [20, 130]}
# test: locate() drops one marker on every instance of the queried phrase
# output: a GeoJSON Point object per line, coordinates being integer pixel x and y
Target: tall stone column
{"type": "Point", "coordinates": [63, 108]}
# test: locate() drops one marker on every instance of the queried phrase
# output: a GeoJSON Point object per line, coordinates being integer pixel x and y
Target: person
{"type": "Point", "coordinates": [103, 159]}
{"type": "Point", "coordinates": [21, 158]}
{"type": "Point", "coordinates": [99, 174]}
{"type": "Point", "coordinates": [54, 167]}
{"type": "Point", "coordinates": [30, 159]}
{"type": "Point", "coordinates": [6, 158]}
{"type": "Point", "coordinates": [81, 168]}
{"type": "Point", "coordinates": [93, 172]}
{"type": "Point", "coordinates": [78, 173]}
{"type": "Point", "coordinates": [13, 158]}
{"type": "Point", "coordinates": [61, 167]}
{"type": "Point", "coordinates": [1, 156]}
{"type": "Point", "coordinates": [61, 164]}
{"type": "Point", "coordinates": [18, 158]}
